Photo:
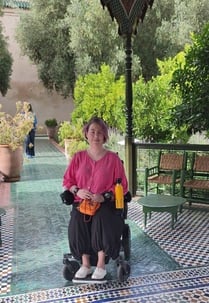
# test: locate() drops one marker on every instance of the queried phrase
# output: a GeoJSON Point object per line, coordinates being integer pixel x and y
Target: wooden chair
{"type": "Point", "coordinates": [167, 172]}
{"type": "Point", "coordinates": [196, 179]}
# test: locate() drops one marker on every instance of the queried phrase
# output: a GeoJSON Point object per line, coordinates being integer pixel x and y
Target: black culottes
{"type": "Point", "coordinates": [102, 232]}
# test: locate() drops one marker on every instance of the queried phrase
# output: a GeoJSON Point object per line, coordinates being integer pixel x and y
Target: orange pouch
{"type": "Point", "coordinates": [88, 207]}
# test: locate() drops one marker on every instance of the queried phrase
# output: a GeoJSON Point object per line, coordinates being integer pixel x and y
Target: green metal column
{"type": "Point", "coordinates": [129, 113]}
{"type": "Point", "coordinates": [128, 13]}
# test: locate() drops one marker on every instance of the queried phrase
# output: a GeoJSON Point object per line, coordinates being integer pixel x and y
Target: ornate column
{"type": "Point", "coordinates": [128, 13]}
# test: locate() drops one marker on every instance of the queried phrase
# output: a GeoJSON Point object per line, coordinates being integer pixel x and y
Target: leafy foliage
{"type": "Point", "coordinates": [75, 146]}
{"type": "Point", "coordinates": [192, 79]}
{"type": "Point", "coordinates": [13, 129]}
{"type": "Point", "coordinates": [44, 37]}
{"type": "Point", "coordinates": [166, 29]}
{"type": "Point", "coordinates": [64, 48]}
{"type": "Point", "coordinates": [51, 122]}
{"type": "Point", "coordinates": [153, 104]}
{"type": "Point", "coordinates": [68, 130]}
{"type": "Point", "coordinates": [99, 42]}
{"type": "Point", "coordinates": [100, 95]}
{"type": "Point", "coordinates": [70, 136]}
{"type": "Point", "coordinates": [5, 63]}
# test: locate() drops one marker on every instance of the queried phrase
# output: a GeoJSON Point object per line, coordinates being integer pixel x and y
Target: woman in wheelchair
{"type": "Point", "coordinates": [91, 176]}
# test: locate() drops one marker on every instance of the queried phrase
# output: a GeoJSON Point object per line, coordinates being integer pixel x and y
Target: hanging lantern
{"type": "Point", "coordinates": [128, 13]}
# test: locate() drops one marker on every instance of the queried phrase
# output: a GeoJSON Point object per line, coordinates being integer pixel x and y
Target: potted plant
{"type": "Point", "coordinates": [70, 136]}
{"type": "Point", "coordinates": [51, 127]}
{"type": "Point", "coordinates": [13, 131]}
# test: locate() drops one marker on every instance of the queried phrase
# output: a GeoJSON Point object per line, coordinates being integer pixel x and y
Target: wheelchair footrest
{"type": "Point", "coordinates": [89, 280]}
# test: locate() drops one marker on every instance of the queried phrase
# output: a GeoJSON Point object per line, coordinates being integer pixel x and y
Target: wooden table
{"type": "Point", "coordinates": [2, 213]}
{"type": "Point", "coordinates": [162, 203]}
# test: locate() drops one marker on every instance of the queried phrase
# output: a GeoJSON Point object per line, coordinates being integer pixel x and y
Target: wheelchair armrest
{"type": "Point", "coordinates": [127, 197]}
{"type": "Point", "coordinates": [67, 197]}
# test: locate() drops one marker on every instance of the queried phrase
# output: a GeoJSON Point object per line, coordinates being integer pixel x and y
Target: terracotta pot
{"type": "Point", "coordinates": [51, 132]}
{"type": "Point", "coordinates": [11, 163]}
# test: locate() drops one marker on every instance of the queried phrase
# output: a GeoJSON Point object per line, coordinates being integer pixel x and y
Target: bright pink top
{"type": "Point", "coordinates": [96, 176]}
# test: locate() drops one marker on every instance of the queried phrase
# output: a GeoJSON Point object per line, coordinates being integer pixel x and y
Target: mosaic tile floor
{"type": "Point", "coordinates": [167, 265]}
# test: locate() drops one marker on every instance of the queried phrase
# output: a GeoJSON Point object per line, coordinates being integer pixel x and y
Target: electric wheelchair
{"type": "Point", "coordinates": [71, 265]}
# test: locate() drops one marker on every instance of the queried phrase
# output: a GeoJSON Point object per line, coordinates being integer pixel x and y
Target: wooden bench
{"type": "Point", "coordinates": [166, 172]}
{"type": "Point", "coordinates": [195, 184]}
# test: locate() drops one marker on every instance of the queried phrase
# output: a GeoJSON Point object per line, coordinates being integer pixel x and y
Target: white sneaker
{"type": "Point", "coordinates": [83, 272]}
{"type": "Point", "coordinates": [99, 274]}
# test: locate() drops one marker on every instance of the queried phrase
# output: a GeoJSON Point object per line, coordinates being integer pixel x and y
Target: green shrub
{"type": "Point", "coordinates": [67, 130]}
{"type": "Point", "coordinates": [75, 146]}
{"type": "Point", "coordinates": [51, 122]}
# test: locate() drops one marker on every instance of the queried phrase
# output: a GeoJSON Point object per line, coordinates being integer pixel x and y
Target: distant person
{"type": "Point", "coordinates": [30, 139]}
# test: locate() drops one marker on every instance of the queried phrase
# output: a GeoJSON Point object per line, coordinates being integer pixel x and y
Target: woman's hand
{"type": "Point", "coordinates": [98, 198]}
{"type": "Point", "coordinates": [84, 194]}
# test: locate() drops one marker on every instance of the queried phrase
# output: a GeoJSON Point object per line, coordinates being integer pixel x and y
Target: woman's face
{"type": "Point", "coordinates": [95, 134]}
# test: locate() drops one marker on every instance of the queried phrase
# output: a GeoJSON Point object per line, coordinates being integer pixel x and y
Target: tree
{"type": "Point", "coordinates": [95, 40]}
{"type": "Point", "coordinates": [69, 38]}
{"type": "Point", "coordinates": [5, 62]}
{"type": "Point", "coordinates": [166, 29]}
{"type": "Point", "coordinates": [102, 95]}
{"type": "Point", "coordinates": [44, 37]}
{"type": "Point", "coordinates": [154, 101]}
{"type": "Point", "coordinates": [192, 79]}
{"type": "Point", "coordinates": [63, 47]}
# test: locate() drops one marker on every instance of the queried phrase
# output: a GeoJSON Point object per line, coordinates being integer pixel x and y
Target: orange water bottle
{"type": "Point", "coordinates": [119, 197]}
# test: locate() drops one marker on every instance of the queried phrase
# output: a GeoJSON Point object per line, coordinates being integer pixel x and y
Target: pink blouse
{"type": "Point", "coordinates": [96, 176]}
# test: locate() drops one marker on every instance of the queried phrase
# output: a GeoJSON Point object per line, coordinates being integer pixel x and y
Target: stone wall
{"type": "Point", "coordinates": [25, 84]}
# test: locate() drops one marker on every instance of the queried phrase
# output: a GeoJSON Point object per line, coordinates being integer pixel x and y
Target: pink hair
{"type": "Point", "coordinates": [101, 123]}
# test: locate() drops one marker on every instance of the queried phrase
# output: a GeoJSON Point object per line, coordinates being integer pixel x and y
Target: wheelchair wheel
{"type": "Point", "coordinates": [126, 242]}
{"type": "Point", "coordinates": [123, 271]}
{"type": "Point", "coordinates": [70, 269]}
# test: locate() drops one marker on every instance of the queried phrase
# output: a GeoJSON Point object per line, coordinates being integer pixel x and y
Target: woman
{"type": "Point", "coordinates": [92, 174]}
{"type": "Point", "coordinates": [30, 139]}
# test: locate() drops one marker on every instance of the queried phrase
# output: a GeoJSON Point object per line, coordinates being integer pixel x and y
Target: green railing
{"type": "Point", "coordinates": [146, 155]}
{"type": "Point", "coordinates": [16, 4]}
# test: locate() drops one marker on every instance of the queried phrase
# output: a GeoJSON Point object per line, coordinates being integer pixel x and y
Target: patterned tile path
{"type": "Point", "coordinates": [191, 285]}
{"type": "Point", "coordinates": [188, 243]}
